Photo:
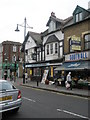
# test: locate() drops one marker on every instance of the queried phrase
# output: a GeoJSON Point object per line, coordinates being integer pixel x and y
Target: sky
{"type": "Point", "coordinates": [37, 13]}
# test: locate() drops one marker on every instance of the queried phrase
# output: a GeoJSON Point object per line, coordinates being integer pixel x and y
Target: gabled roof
{"type": "Point", "coordinates": [80, 9]}
{"type": "Point", "coordinates": [51, 39]}
{"type": "Point", "coordinates": [35, 36]}
{"type": "Point", "coordinates": [53, 18]}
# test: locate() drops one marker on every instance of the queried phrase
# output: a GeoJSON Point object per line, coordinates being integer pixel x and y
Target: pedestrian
{"type": "Point", "coordinates": [69, 80]}
{"type": "Point", "coordinates": [5, 75]}
{"type": "Point", "coordinates": [26, 76]}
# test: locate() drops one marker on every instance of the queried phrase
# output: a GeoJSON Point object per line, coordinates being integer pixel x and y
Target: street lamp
{"type": "Point", "coordinates": [17, 30]}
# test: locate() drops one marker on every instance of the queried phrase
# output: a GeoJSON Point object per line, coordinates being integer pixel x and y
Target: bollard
{"type": "Point", "coordinates": [37, 83]}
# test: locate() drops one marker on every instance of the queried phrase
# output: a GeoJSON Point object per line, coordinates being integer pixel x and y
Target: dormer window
{"type": "Point", "coordinates": [79, 17]}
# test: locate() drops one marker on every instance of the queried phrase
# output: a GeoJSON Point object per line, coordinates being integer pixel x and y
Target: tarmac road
{"type": "Point", "coordinates": [38, 103]}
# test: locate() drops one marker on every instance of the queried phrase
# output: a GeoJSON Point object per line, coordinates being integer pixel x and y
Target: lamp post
{"type": "Point", "coordinates": [17, 30]}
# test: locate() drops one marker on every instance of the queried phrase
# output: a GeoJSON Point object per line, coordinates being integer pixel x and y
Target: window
{"type": "Point", "coordinates": [61, 48]}
{"type": "Point", "coordinates": [6, 86]}
{"type": "Point", "coordinates": [14, 48]}
{"type": "Point", "coordinates": [37, 71]}
{"type": "Point", "coordinates": [13, 58]}
{"type": "Point", "coordinates": [87, 41]}
{"type": "Point", "coordinates": [47, 49]}
{"type": "Point", "coordinates": [51, 48]}
{"type": "Point", "coordinates": [78, 17]}
{"type": "Point", "coordinates": [56, 47]}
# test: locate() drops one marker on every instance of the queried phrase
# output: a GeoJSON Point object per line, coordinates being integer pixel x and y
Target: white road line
{"type": "Point", "coordinates": [28, 99]}
{"type": "Point", "coordinates": [65, 111]}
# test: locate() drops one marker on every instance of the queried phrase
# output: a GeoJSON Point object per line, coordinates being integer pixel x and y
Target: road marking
{"type": "Point", "coordinates": [71, 113]}
{"type": "Point", "coordinates": [28, 99]}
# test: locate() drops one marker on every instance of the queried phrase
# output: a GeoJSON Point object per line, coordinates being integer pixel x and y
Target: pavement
{"type": "Point", "coordinates": [54, 88]}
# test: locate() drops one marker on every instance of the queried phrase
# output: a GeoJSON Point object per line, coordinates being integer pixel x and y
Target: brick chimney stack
{"type": "Point", "coordinates": [53, 14]}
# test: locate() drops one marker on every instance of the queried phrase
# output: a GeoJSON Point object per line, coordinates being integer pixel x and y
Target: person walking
{"type": "Point", "coordinates": [69, 80]}
{"type": "Point", "coordinates": [26, 77]}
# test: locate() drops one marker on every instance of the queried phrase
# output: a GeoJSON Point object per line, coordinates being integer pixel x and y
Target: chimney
{"type": "Point", "coordinates": [53, 14]}
{"type": "Point", "coordinates": [89, 5]}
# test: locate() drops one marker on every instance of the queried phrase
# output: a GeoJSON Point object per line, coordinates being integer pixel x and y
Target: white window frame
{"type": "Point", "coordinates": [14, 48]}
{"type": "Point", "coordinates": [79, 17]}
{"type": "Point", "coordinates": [51, 48]}
{"type": "Point", "coordinates": [56, 48]}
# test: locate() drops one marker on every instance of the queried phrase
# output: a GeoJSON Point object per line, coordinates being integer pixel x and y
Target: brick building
{"type": "Point", "coordinates": [9, 57]}
{"type": "Point", "coordinates": [77, 44]}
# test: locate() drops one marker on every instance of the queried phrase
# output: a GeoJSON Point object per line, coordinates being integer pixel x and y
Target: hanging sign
{"type": "Point", "coordinates": [75, 43]}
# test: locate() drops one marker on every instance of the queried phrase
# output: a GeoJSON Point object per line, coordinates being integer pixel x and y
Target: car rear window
{"type": "Point", "coordinates": [6, 86]}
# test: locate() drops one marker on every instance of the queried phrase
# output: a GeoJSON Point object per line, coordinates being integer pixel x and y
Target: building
{"type": "Point", "coordinates": [44, 51]}
{"type": "Point", "coordinates": [77, 44]}
{"type": "Point", "coordinates": [9, 58]}
{"type": "Point", "coordinates": [33, 56]}
{"type": "Point", "coordinates": [53, 42]}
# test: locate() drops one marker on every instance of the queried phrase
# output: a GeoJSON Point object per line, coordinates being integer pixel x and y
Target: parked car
{"type": "Point", "coordinates": [10, 97]}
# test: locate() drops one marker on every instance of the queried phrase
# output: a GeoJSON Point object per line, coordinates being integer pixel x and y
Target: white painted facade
{"type": "Point", "coordinates": [30, 47]}
{"type": "Point", "coordinates": [57, 55]}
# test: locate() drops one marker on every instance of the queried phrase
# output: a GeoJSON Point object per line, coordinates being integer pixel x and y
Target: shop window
{"type": "Point", "coordinates": [47, 49]}
{"type": "Point", "coordinates": [87, 41]}
{"type": "Point", "coordinates": [79, 17]}
{"type": "Point", "coordinates": [51, 48]}
{"type": "Point", "coordinates": [56, 48]}
{"type": "Point", "coordinates": [37, 72]}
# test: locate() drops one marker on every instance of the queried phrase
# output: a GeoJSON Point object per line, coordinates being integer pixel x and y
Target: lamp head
{"type": "Point", "coordinates": [17, 30]}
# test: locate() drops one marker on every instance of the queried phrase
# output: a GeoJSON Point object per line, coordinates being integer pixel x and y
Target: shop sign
{"type": "Point", "coordinates": [75, 43]}
{"type": "Point", "coordinates": [44, 76]}
{"type": "Point", "coordinates": [74, 65]}
{"type": "Point", "coordinates": [37, 65]}
{"type": "Point", "coordinates": [77, 56]}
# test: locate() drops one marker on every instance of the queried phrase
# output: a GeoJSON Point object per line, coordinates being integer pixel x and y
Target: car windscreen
{"type": "Point", "coordinates": [6, 86]}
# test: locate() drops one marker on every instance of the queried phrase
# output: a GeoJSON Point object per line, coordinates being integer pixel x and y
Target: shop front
{"type": "Point", "coordinates": [79, 66]}
{"type": "Point", "coordinates": [9, 69]}
{"type": "Point", "coordinates": [37, 70]}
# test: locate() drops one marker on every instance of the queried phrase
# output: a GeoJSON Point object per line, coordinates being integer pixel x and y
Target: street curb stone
{"type": "Point", "coordinates": [63, 92]}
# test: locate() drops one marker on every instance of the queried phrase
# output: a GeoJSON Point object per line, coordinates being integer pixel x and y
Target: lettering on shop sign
{"type": "Point", "coordinates": [74, 65]}
{"type": "Point", "coordinates": [78, 56]}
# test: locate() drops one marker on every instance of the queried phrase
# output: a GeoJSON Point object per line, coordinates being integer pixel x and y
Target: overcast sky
{"type": "Point", "coordinates": [37, 13]}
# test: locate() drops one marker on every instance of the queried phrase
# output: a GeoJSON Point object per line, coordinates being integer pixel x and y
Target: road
{"type": "Point", "coordinates": [45, 104]}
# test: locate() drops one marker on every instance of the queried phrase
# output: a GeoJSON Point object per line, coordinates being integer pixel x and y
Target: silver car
{"type": "Point", "coordinates": [10, 97]}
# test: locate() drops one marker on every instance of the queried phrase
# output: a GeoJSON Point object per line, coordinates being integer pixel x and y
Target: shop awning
{"type": "Point", "coordinates": [82, 65]}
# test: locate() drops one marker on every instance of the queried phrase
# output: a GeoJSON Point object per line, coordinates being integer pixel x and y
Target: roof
{"type": "Point", "coordinates": [35, 36]}
{"type": "Point", "coordinates": [11, 42]}
{"type": "Point", "coordinates": [86, 16]}
{"type": "Point", "coordinates": [54, 18]}
{"type": "Point", "coordinates": [51, 39]}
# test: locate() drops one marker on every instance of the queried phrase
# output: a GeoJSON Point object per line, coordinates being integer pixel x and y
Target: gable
{"type": "Point", "coordinates": [30, 43]}
{"type": "Point", "coordinates": [51, 39]}
{"type": "Point", "coordinates": [77, 10]}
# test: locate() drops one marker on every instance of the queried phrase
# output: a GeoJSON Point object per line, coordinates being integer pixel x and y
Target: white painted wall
{"type": "Point", "coordinates": [30, 43]}
{"type": "Point", "coordinates": [53, 56]}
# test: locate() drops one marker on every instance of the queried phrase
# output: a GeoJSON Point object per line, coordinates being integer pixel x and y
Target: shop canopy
{"type": "Point", "coordinates": [81, 65]}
